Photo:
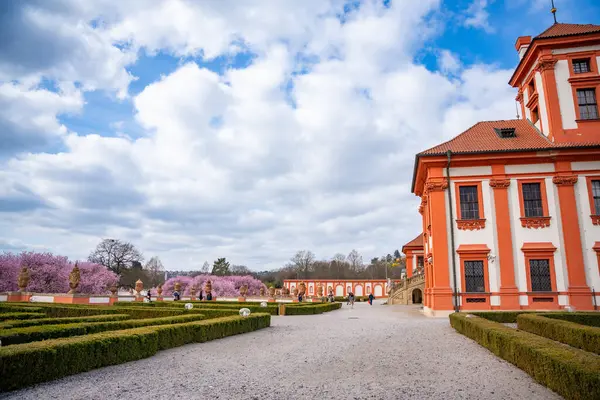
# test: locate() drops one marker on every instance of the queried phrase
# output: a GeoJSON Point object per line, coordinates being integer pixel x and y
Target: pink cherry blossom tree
{"type": "Point", "coordinates": [49, 273]}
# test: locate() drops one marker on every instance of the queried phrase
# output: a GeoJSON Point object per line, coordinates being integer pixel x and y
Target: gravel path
{"type": "Point", "coordinates": [369, 352]}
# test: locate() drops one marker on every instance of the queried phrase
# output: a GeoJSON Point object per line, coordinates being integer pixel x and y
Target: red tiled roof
{"type": "Point", "coordinates": [558, 30]}
{"type": "Point", "coordinates": [416, 242]}
{"type": "Point", "coordinates": [482, 138]}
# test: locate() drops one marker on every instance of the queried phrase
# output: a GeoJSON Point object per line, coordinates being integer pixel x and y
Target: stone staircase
{"type": "Point", "coordinates": [402, 293]}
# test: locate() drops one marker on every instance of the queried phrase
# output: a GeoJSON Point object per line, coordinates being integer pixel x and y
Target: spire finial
{"type": "Point", "coordinates": [553, 11]}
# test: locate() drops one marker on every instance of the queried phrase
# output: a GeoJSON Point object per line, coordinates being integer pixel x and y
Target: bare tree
{"type": "Point", "coordinates": [338, 262]}
{"type": "Point", "coordinates": [205, 268]}
{"type": "Point", "coordinates": [240, 270]}
{"type": "Point", "coordinates": [355, 260]}
{"type": "Point", "coordinates": [116, 255]}
{"type": "Point", "coordinates": [155, 270]}
{"type": "Point", "coordinates": [303, 261]}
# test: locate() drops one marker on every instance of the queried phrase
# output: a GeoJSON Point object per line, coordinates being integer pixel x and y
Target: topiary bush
{"type": "Point", "coordinates": [572, 373]}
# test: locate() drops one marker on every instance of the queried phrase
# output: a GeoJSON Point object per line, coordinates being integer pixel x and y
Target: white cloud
{"type": "Point", "coordinates": [258, 162]}
{"type": "Point", "coordinates": [57, 43]}
{"type": "Point", "coordinates": [28, 117]}
{"type": "Point", "coordinates": [478, 17]}
{"type": "Point", "coordinates": [448, 62]}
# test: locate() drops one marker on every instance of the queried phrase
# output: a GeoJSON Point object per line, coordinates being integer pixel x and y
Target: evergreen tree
{"type": "Point", "coordinates": [221, 267]}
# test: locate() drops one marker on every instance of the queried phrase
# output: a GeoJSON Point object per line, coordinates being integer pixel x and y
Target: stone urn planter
{"type": "Point", "coordinates": [272, 292]}
{"type": "Point", "coordinates": [113, 290]}
{"type": "Point", "coordinates": [320, 290]}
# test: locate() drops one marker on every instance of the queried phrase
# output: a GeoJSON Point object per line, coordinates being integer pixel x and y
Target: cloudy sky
{"type": "Point", "coordinates": [244, 129]}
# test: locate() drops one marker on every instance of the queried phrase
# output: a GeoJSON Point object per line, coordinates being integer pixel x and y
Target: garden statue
{"type": "Point", "coordinates": [262, 291]}
{"type": "Point", "coordinates": [23, 280]}
{"type": "Point", "coordinates": [278, 292]}
{"type": "Point", "coordinates": [243, 290]}
{"type": "Point", "coordinates": [286, 291]}
{"type": "Point", "coordinates": [272, 291]}
{"type": "Point", "coordinates": [139, 285]}
{"type": "Point", "coordinates": [329, 289]}
{"type": "Point", "coordinates": [177, 287]}
{"type": "Point", "coordinates": [193, 292]}
{"type": "Point", "coordinates": [295, 291]}
{"type": "Point", "coordinates": [159, 290]}
{"type": "Point", "coordinates": [74, 278]}
{"type": "Point", "coordinates": [113, 289]}
{"type": "Point", "coordinates": [320, 290]}
{"type": "Point", "coordinates": [208, 290]}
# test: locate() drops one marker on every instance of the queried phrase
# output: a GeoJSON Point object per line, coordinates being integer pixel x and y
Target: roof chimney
{"type": "Point", "coordinates": [522, 44]}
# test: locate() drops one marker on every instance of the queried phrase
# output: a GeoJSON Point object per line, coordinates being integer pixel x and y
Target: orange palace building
{"type": "Point", "coordinates": [511, 208]}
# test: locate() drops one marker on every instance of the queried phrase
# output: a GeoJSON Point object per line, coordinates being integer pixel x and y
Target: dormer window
{"type": "Point", "coordinates": [505, 132]}
{"type": "Point", "coordinates": [581, 66]}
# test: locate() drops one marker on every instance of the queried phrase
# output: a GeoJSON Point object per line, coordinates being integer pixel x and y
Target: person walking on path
{"type": "Point", "coordinates": [371, 297]}
{"type": "Point", "coordinates": [351, 299]}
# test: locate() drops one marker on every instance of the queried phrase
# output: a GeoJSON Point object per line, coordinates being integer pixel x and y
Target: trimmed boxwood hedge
{"type": "Point", "coordinates": [254, 307]}
{"type": "Point", "coordinates": [62, 310]}
{"type": "Point", "coordinates": [318, 308]}
{"type": "Point", "coordinates": [345, 298]}
{"type": "Point", "coordinates": [45, 332]}
{"type": "Point", "coordinates": [573, 373]}
{"type": "Point", "coordinates": [583, 318]}
{"type": "Point", "coordinates": [55, 310]}
{"type": "Point", "coordinates": [20, 315]}
{"type": "Point", "coordinates": [504, 317]}
{"type": "Point", "coordinates": [69, 320]}
{"type": "Point", "coordinates": [27, 364]}
{"type": "Point", "coordinates": [18, 307]}
{"type": "Point", "coordinates": [583, 337]}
